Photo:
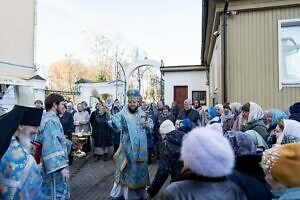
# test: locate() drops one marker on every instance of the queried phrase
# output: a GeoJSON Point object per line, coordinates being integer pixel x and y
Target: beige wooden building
{"type": "Point", "coordinates": [253, 53]}
{"type": "Point", "coordinates": [18, 83]}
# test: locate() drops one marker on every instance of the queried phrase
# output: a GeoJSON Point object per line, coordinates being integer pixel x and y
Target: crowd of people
{"type": "Point", "coordinates": [229, 151]}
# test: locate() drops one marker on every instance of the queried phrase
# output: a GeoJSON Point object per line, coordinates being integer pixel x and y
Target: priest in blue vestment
{"type": "Point", "coordinates": [20, 177]}
{"type": "Point", "coordinates": [131, 158]}
{"type": "Point", "coordinates": [54, 150]}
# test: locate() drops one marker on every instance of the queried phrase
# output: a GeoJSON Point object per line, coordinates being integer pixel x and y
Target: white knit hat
{"type": "Point", "coordinates": [166, 127]}
{"type": "Point", "coordinates": [207, 153]}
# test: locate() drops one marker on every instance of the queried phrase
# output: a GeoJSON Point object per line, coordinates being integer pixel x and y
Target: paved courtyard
{"type": "Point", "coordinates": [93, 180]}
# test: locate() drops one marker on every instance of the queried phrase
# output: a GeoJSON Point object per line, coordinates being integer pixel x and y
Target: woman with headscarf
{"type": "Point", "coordinates": [214, 121]}
{"type": "Point", "coordinates": [248, 174]}
{"type": "Point", "coordinates": [101, 132]}
{"type": "Point", "coordinates": [253, 119]}
{"type": "Point", "coordinates": [287, 131]}
{"type": "Point", "coordinates": [271, 118]}
{"type": "Point", "coordinates": [236, 110]}
{"type": "Point", "coordinates": [227, 117]}
{"type": "Point", "coordinates": [169, 161]}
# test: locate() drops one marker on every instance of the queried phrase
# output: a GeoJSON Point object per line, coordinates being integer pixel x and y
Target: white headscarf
{"type": "Point", "coordinates": [235, 108]}
{"type": "Point", "coordinates": [255, 113]}
{"type": "Point", "coordinates": [220, 107]}
{"type": "Point", "coordinates": [291, 127]}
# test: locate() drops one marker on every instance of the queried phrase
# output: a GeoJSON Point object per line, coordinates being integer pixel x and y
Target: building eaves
{"type": "Point", "coordinates": [181, 68]}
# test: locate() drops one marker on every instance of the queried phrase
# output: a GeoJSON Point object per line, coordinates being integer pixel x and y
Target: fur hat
{"type": "Point", "coordinates": [283, 162]}
{"type": "Point", "coordinates": [208, 153]}
{"type": "Point", "coordinates": [166, 127]}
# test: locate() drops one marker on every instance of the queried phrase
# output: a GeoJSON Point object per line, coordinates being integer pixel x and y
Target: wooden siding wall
{"type": "Point", "coordinates": [253, 69]}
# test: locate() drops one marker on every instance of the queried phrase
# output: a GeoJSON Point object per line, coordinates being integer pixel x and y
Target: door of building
{"type": "Point", "coordinates": [180, 94]}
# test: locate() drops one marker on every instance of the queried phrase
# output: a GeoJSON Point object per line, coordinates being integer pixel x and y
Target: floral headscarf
{"type": "Point", "coordinates": [241, 143]}
{"type": "Point", "coordinates": [235, 108]}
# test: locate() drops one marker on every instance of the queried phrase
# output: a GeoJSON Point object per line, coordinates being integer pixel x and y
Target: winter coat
{"type": "Point", "coordinates": [67, 123]}
{"type": "Point", "coordinates": [249, 176]}
{"type": "Point", "coordinates": [162, 118]}
{"type": "Point", "coordinates": [169, 162]}
{"type": "Point", "coordinates": [203, 188]}
{"type": "Point", "coordinates": [101, 129]}
{"type": "Point", "coordinates": [191, 114]}
{"type": "Point", "coordinates": [175, 111]}
{"type": "Point", "coordinates": [257, 126]}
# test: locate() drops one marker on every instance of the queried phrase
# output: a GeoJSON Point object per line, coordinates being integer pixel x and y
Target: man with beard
{"type": "Point", "coordinates": [20, 177]}
{"type": "Point", "coordinates": [132, 174]}
{"type": "Point", "coordinates": [54, 150]}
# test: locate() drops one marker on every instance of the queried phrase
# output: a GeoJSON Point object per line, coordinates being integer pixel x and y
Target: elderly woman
{"type": "Point", "coordinates": [248, 174]}
{"type": "Point", "coordinates": [287, 131]}
{"type": "Point", "coordinates": [101, 132]}
{"type": "Point", "coordinates": [271, 118]}
{"type": "Point", "coordinates": [227, 117]}
{"type": "Point", "coordinates": [236, 110]}
{"type": "Point", "coordinates": [169, 161]}
{"type": "Point", "coordinates": [281, 165]}
{"type": "Point", "coordinates": [253, 119]}
{"type": "Point", "coordinates": [206, 168]}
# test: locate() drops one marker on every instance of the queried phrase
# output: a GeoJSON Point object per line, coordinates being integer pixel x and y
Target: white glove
{"type": "Point", "coordinates": [65, 174]}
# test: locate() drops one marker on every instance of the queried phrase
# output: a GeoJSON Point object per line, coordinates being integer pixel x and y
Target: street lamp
{"type": "Point", "coordinates": [125, 81]}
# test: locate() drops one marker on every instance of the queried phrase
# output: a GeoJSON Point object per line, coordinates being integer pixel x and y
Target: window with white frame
{"type": "Point", "coordinates": [289, 52]}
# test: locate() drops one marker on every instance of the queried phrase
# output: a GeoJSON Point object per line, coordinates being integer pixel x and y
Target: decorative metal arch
{"type": "Point", "coordinates": [140, 63]}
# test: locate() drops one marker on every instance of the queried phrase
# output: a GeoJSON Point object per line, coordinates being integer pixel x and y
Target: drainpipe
{"type": "Point", "coordinates": [225, 50]}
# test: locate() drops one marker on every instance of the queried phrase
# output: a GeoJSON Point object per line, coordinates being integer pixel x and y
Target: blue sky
{"type": "Point", "coordinates": [168, 30]}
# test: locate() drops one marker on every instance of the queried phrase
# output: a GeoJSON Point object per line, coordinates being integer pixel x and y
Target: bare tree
{"type": "Point", "coordinates": [64, 72]}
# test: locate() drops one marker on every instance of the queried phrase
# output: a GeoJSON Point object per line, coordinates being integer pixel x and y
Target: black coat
{"type": "Point", "coordinates": [101, 130]}
{"type": "Point", "coordinates": [169, 162]}
{"type": "Point", "coordinates": [191, 114]}
{"type": "Point", "coordinates": [67, 122]}
{"type": "Point", "coordinates": [249, 176]}
{"type": "Point", "coordinates": [203, 188]}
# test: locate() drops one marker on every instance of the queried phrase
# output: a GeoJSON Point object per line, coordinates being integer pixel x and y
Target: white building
{"type": "Point", "coordinates": [182, 82]}
{"type": "Point", "coordinates": [115, 89]}
{"type": "Point", "coordinates": [18, 83]}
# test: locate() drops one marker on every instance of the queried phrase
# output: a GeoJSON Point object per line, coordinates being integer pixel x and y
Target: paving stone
{"type": "Point", "coordinates": [92, 180]}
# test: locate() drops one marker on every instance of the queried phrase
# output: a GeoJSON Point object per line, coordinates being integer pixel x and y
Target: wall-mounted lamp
{"type": "Point", "coordinates": [216, 33]}
{"type": "Point", "coordinates": [232, 12]}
